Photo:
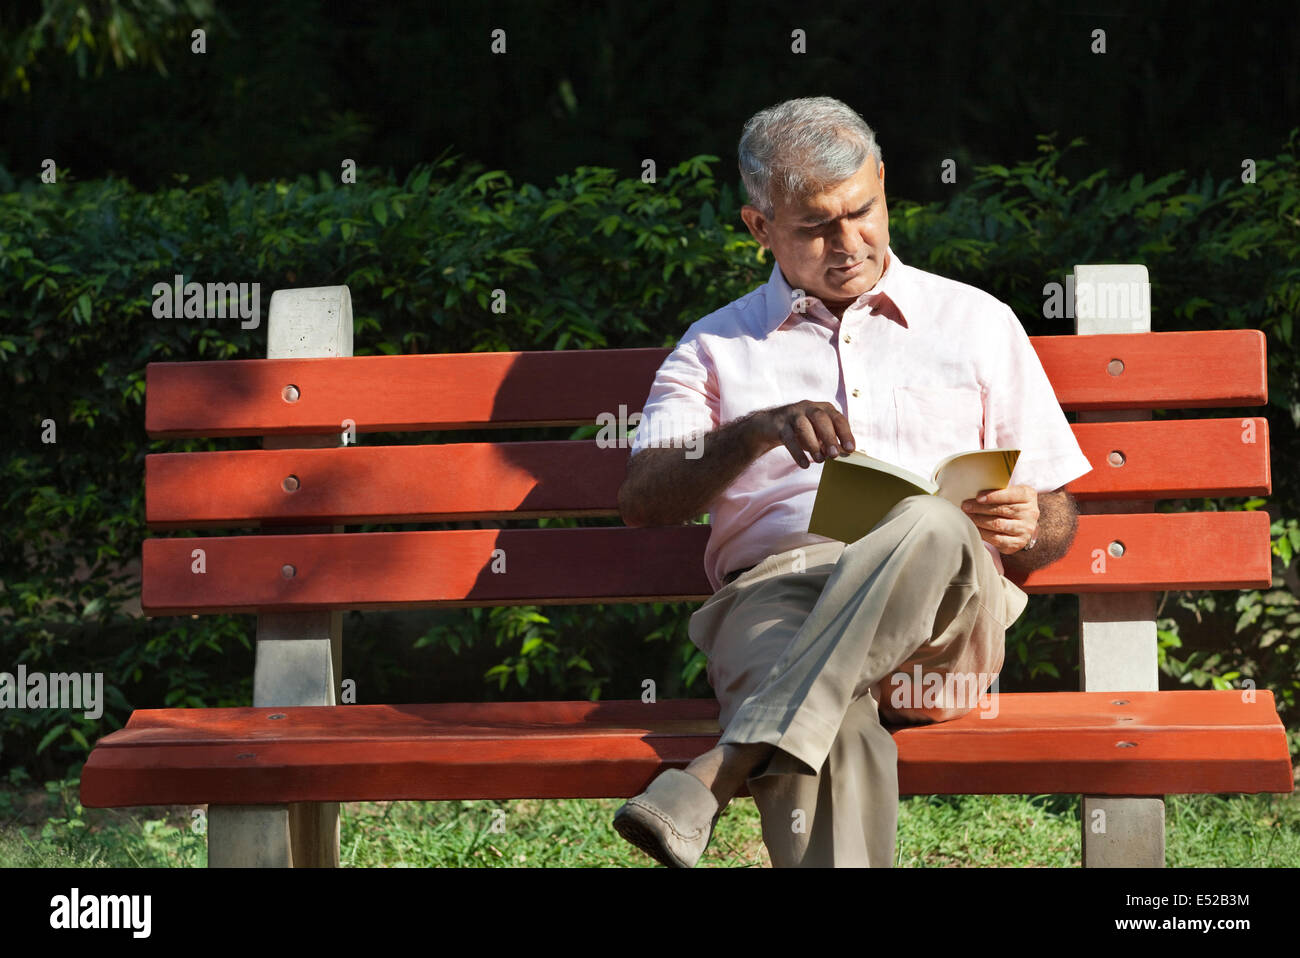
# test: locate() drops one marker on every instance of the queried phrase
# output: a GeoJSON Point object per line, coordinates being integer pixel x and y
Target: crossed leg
{"type": "Point", "coordinates": [800, 650]}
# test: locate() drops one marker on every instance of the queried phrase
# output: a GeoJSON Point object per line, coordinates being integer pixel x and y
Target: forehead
{"type": "Point", "coordinates": [844, 197]}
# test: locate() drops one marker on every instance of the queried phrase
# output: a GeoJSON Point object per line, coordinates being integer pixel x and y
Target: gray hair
{"type": "Point", "coordinates": [801, 147]}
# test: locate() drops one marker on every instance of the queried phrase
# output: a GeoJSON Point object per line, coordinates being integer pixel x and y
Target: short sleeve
{"type": "Point", "coordinates": [1021, 411]}
{"type": "Point", "coordinates": [683, 399]}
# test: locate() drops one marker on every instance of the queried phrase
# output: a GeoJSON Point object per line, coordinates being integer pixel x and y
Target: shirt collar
{"type": "Point", "coordinates": [888, 297]}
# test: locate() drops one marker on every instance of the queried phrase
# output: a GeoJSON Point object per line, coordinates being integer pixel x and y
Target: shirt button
{"type": "Point", "coordinates": [848, 339]}
{"type": "Point", "coordinates": [857, 393]}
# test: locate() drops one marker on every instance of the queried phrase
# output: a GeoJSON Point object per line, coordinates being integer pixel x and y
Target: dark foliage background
{"type": "Point", "coordinates": [294, 86]}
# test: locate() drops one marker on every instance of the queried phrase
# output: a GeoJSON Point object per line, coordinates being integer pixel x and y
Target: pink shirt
{"type": "Point", "coordinates": [922, 366]}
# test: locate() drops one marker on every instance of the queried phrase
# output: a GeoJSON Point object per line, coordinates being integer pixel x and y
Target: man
{"type": "Point", "coordinates": [811, 641]}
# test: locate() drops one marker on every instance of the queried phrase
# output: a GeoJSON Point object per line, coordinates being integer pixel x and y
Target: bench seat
{"type": "Point", "coordinates": [1038, 742]}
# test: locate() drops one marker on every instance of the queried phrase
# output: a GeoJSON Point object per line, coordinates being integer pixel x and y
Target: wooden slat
{"type": "Point", "coordinates": [394, 570]}
{"type": "Point", "coordinates": [359, 484]}
{"type": "Point", "coordinates": [1177, 370]}
{"type": "Point", "coordinates": [459, 390]}
{"type": "Point", "coordinates": [1175, 458]}
{"type": "Point", "coordinates": [391, 570]}
{"type": "Point", "coordinates": [1179, 550]}
{"type": "Point", "coordinates": [1058, 742]}
{"type": "Point", "coordinates": [395, 393]}
{"type": "Point", "coordinates": [363, 484]}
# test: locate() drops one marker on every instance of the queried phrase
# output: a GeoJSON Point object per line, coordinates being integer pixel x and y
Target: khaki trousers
{"type": "Point", "coordinates": [813, 647]}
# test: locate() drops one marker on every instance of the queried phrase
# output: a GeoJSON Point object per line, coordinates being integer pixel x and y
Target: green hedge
{"type": "Point", "coordinates": [593, 261]}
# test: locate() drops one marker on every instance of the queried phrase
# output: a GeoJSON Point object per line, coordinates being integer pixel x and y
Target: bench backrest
{"type": "Point", "coordinates": [293, 399]}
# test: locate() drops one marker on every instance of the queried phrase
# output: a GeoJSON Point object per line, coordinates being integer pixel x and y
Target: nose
{"type": "Point", "coordinates": [849, 240]}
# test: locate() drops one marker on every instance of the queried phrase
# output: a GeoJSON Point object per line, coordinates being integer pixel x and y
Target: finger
{"type": "Point", "coordinates": [791, 442]}
{"type": "Point", "coordinates": [807, 437]}
{"type": "Point", "coordinates": [1014, 494]}
{"type": "Point", "coordinates": [1006, 544]}
{"type": "Point", "coordinates": [842, 429]}
{"type": "Point", "coordinates": [986, 524]}
{"type": "Point", "coordinates": [825, 430]}
{"type": "Point", "coordinates": [1003, 541]}
{"type": "Point", "coordinates": [1010, 511]}
{"type": "Point", "coordinates": [1006, 527]}
{"type": "Point", "coordinates": [1013, 510]}
{"type": "Point", "coordinates": [1011, 494]}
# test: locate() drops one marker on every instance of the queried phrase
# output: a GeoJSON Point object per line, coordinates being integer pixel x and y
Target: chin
{"type": "Point", "coordinates": [856, 285]}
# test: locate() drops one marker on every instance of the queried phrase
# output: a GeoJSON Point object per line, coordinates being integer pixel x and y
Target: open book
{"type": "Point", "coordinates": [857, 490]}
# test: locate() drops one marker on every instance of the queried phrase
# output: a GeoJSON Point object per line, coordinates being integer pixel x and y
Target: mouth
{"type": "Point", "coordinates": [850, 269]}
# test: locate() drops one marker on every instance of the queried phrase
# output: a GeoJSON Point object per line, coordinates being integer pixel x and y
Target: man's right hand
{"type": "Point", "coordinates": [806, 428]}
{"type": "Point", "coordinates": [664, 487]}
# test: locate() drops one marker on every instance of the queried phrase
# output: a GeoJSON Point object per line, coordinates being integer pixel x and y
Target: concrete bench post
{"type": "Point", "coordinates": [1117, 630]}
{"type": "Point", "coordinates": [299, 655]}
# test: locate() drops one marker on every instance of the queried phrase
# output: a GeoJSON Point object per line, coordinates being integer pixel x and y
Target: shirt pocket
{"type": "Point", "coordinates": [936, 421]}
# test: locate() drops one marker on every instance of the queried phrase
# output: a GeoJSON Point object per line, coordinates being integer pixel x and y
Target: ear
{"type": "Point", "coordinates": [756, 223]}
{"type": "Point", "coordinates": [882, 174]}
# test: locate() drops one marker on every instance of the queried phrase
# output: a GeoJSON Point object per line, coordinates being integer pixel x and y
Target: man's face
{"type": "Point", "coordinates": [811, 239]}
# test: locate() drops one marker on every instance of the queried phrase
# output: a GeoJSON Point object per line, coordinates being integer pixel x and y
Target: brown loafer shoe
{"type": "Point", "coordinates": [672, 820]}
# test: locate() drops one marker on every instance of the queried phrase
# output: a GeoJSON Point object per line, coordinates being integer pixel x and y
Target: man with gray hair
{"type": "Point", "coordinates": [845, 347]}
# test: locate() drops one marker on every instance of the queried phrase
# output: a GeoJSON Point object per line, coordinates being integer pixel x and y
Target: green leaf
{"type": "Point", "coordinates": [50, 736]}
{"type": "Point", "coordinates": [381, 212]}
{"type": "Point", "coordinates": [554, 209]}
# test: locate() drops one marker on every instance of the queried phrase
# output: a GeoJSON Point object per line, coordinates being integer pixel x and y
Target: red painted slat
{"type": "Point", "coordinates": [1161, 459]}
{"type": "Point", "coordinates": [383, 483]}
{"type": "Point", "coordinates": [1174, 458]}
{"type": "Point", "coordinates": [390, 570]}
{"type": "Point", "coordinates": [394, 393]}
{"type": "Point", "coordinates": [456, 390]}
{"type": "Point", "coordinates": [1179, 550]}
{"type": "Point", "coordinates": [1176, 370]}
{"type": "Point", "coordinates": [383, 570]}
{"type": "Point", "coordinates": [1058, 742]}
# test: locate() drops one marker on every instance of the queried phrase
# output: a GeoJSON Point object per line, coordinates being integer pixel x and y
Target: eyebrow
{"type": "Point", "coordinates": [830, 219]}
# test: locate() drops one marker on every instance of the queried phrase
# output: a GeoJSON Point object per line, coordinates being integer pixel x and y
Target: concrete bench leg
{"type": "Point", "coordinates": [297, 663]}
{"type": "Point", "coordinates": [299, 655]}
{"type": "Point", "coordinates": [1117, 630]}
{"type": "Point", "coordinates": [1118, 633]}
{"type": "Point", "coordinates": [249, 836]}
{"type": "Point", "coordinates": [1123, 832]}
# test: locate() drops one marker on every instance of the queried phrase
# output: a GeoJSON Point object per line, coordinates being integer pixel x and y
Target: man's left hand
{"type": "Point", "coordinates": [1007, 517]}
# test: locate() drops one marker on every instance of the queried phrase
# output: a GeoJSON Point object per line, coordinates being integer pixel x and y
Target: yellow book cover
{"type": "Point", "coordinates": [856, 490]}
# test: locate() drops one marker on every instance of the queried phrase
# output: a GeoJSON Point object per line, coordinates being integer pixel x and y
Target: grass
{"type": "Point", "coordinates": [48, 828]}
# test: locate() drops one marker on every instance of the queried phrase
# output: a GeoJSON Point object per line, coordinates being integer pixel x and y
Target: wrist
{"type": "Point", "coordinates": [754, 428]}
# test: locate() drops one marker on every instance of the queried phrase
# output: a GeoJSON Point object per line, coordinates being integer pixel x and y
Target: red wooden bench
{"type": "Point", "coordinates": [273, 774]}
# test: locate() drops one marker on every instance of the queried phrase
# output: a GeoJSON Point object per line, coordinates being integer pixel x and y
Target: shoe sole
{"type": "Point", "coordinates": [626, 824]}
